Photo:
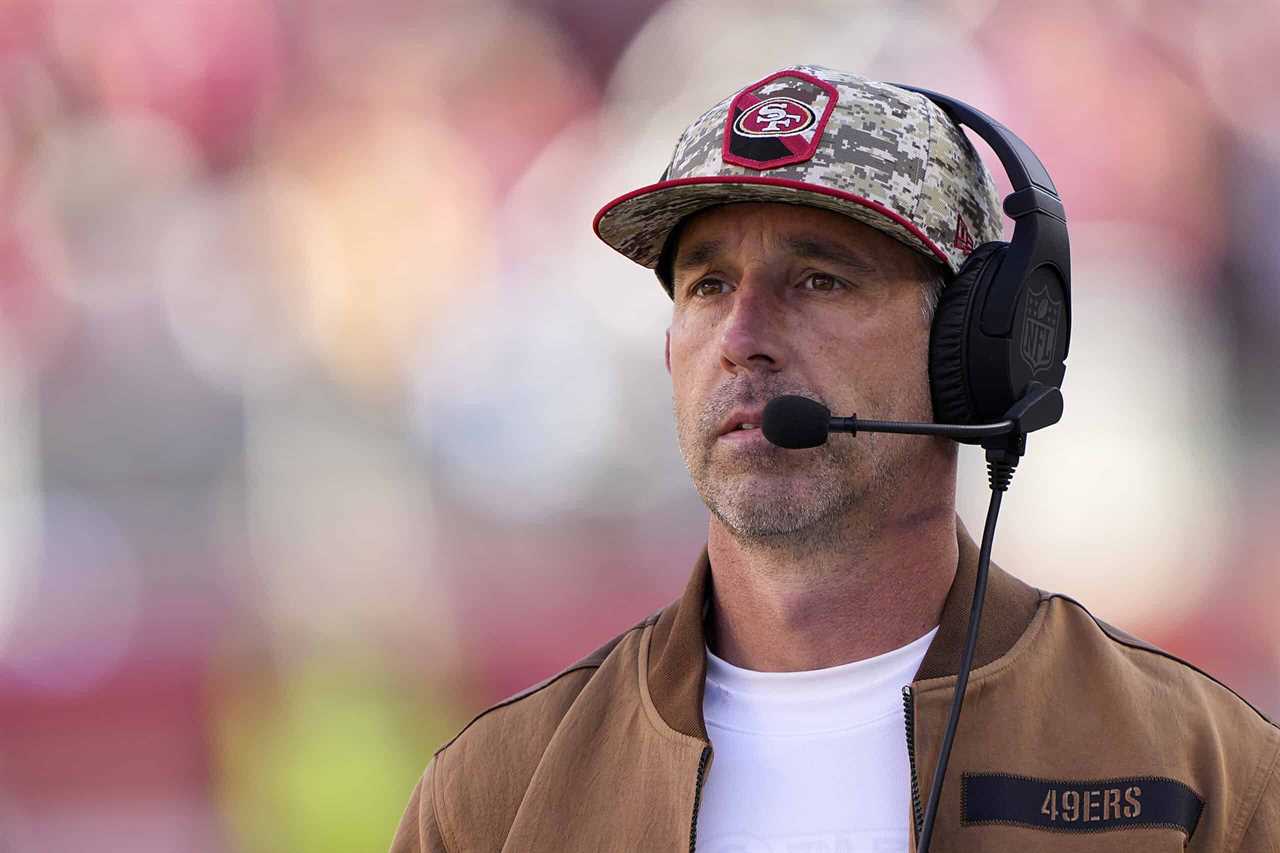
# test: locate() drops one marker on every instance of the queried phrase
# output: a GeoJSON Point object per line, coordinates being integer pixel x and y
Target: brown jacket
{"type": "Point", "coordinates": [1074, 737]}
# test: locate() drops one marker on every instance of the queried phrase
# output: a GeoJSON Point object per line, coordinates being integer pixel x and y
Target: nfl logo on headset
{"type": "Point", "coordinates": [1040, 329]}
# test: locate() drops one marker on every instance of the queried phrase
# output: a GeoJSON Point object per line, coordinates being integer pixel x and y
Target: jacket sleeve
{"type": "Point", "coordinates": [419, 830]}
{"type": "Point", "coordinates": [1262, 835]}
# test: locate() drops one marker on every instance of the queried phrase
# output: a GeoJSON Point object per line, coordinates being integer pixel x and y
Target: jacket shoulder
{"type": "Point", "coordinates": [483, 772]}
{"type": "Point", "coordinates": [1164, 665]}
{"type": "Point", "coordinates": [540, 701]}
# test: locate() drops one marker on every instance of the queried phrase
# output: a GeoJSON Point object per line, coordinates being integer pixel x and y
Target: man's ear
{"type": "Point", "coordinates": [667, 355]}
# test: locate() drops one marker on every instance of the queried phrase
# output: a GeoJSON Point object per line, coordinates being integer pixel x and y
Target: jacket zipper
{"type": "Point", "coordinates": [917, 812]}
{"type": "Point", "coordinates": [697, 797]}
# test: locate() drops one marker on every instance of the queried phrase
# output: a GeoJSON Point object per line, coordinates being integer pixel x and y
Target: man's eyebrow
{"type": "Point", "coordinates": [818, 249]}
{"type": "Point", "coordinates": [698, 254]}
{"type": "Point", "coordinates": [811, 247]}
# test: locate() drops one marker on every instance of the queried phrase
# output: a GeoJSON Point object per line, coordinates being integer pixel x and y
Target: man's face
{"type": "Point", "coordinates": [777, 299]}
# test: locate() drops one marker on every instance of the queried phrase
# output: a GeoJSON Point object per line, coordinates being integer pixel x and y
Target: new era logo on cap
{"type": "Point", "coordinates": [778, 121]}
{"type": "Point", "coordinates": [963, 240]}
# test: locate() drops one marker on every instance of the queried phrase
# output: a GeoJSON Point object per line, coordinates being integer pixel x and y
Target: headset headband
{"type": "Point", "coordinates": [1039, 248]}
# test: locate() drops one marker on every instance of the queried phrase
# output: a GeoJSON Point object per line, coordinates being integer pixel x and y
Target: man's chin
{"type": "Point", "coordinates": [766, 520]}
{"type": "Point", "coordinates": [763, 502]}
{"type": "Point", "coordinates": [759, 483]}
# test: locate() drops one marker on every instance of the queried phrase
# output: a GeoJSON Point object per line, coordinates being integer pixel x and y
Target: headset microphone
{"type": "Point", "coordinates": [796, 423]}
{"type": "Point", "coordinates": [997, 356]}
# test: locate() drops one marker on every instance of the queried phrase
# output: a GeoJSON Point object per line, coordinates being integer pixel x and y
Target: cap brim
{"type": "Point", "coordinates": [637, 224]}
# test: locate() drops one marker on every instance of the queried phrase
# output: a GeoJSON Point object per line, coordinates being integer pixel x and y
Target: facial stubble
{"type": "Point", "coordinates": [796, 500]}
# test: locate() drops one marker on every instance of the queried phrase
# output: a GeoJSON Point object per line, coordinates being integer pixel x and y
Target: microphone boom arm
{"type": "Point", "coordinates": [1039, 407]}
{"type": "Point", "coordinates": [797, 423]}
{"type": "Point", "coordinates": [854, 424]}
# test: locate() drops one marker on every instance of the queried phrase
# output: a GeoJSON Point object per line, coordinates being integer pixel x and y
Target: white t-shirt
{"type": "Point", "coordinates": [808, 762]}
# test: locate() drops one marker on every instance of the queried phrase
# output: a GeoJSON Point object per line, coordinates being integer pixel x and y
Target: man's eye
{"type": "Point", "coordinates": [707, 287]}
{"type": "Point", "coordinates": [821, 281]}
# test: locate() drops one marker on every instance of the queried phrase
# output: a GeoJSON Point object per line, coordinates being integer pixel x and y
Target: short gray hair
{"type": "Point", "coordinates": [933, 278]}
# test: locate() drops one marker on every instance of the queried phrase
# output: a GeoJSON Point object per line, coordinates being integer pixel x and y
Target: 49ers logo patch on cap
{"type": "Point", "coordinates": [778, 121]}
{"type": "Point", "coordinates": [775, 117]}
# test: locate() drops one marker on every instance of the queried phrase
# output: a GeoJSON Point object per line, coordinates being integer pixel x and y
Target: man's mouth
{"type": "Point", "coordinates": [744, 434]}
{"type": "Point", "coordinates": [741, 420]}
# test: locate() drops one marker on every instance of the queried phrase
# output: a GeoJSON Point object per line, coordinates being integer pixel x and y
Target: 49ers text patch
{"type": "Point", "coordinates": [1079, 805]}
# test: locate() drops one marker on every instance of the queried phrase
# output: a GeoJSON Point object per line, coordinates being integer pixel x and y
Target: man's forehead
{"type": "Point", "coordinates": [813, 246]}
{"type": "Point", "coordinates": [803, 231]}
{"type": "Point", "coordinates": [767, 213]}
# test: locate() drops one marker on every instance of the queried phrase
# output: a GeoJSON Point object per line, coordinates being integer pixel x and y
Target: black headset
{"type": "Point", "coordinates": [998, 347]}
{"type": "Point", "coordinates": [997, 356]}
{"type": "Point", "coordinates": [1004, 320]}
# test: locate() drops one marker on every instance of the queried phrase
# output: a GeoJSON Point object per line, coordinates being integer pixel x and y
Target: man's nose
{"type": "Point", "coordinates": [749, 339]}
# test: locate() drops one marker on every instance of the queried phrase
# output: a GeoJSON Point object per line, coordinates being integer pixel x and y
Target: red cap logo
{"type": "Point", "coordinates": [778, 121]}
{"type": "Point", "coordinates": [775, 117]}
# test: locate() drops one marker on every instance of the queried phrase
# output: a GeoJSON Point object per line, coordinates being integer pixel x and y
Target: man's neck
{"type": "Point", "coordinates": [873, 589]}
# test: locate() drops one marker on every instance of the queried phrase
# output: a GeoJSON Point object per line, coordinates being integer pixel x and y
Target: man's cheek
{"type": "Point", "coordinates": [677, 357]}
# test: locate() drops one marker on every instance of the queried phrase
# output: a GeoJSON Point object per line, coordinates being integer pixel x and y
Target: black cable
{"type": "Point", "coordinates": [999, 474]}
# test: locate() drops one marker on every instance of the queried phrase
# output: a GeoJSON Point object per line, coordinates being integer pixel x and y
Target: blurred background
{"type": "Point", "coordinates": [326, 421]}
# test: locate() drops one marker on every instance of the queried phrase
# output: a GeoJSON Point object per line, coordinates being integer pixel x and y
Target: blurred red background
{"type": "Point", "coordinates": [327, 421]}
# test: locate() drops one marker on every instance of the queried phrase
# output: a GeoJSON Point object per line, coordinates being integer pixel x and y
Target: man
{"type": "Point", "coordinates": [795, 696]}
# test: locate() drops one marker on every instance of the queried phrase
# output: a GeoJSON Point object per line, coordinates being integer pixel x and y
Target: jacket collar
{"type": "Point", "coordinates": [677, 652]}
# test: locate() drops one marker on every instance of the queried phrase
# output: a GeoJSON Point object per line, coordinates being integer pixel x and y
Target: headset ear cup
{"type": "Point", "coordinates": [949, 338]}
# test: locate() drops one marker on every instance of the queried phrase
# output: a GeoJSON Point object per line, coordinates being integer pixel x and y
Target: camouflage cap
{"type": "Point", "coordinates": [885, 156]}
